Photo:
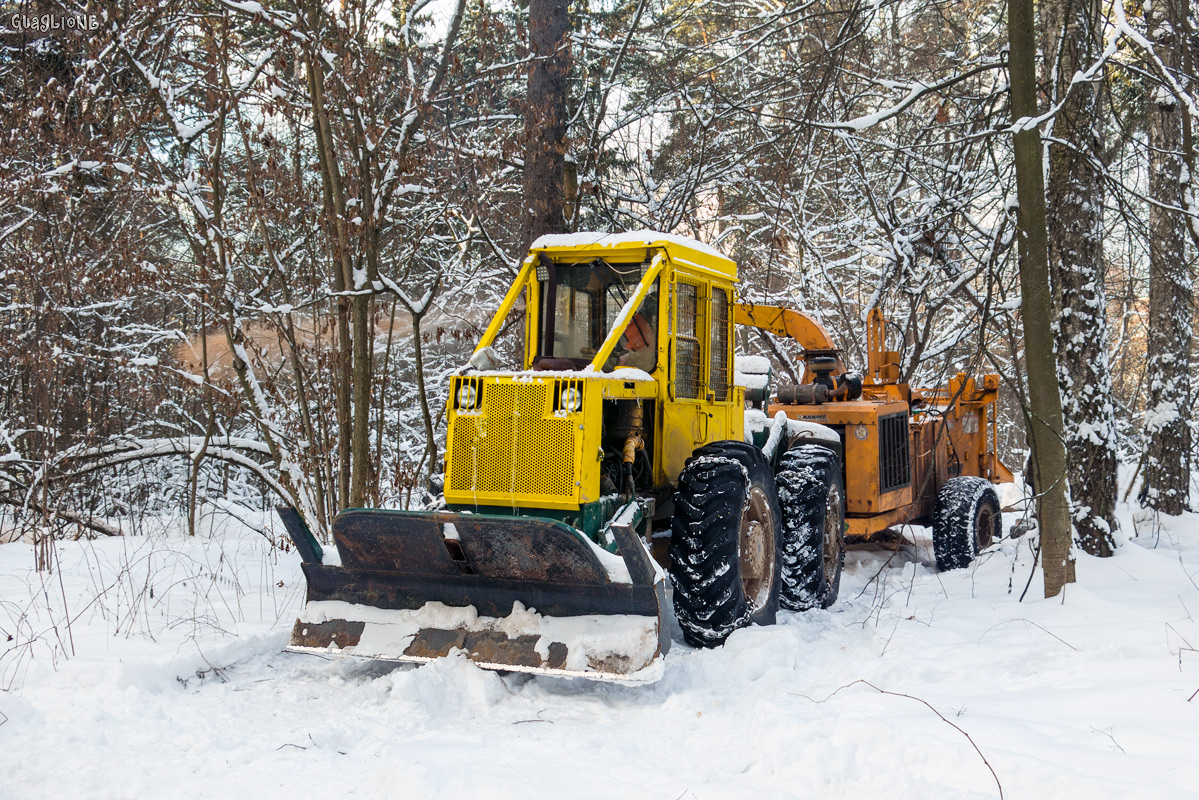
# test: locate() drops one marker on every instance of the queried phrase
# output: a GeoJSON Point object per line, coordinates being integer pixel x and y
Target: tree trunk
{"type": "Point", "coordinates": [364, 376]}
{"type": "Point", "coordinates": [429, 459]}
{"type": "Point", "coordinates": [1073, 38]}
{"type": "Point", "coordinates": [545, 118]}
{"type": "Point", "coordinates": [348, 353]}
{"type": "Point", "coordinates": [1167, 415]}
{"type": "Point", "coordinates": [1045, 425]}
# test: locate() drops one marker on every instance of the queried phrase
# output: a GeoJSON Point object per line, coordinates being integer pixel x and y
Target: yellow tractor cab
{"type": "Point", "coordinates": [628, 343]}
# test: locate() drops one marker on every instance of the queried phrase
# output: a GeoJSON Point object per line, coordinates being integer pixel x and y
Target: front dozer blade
{"type": "Point", "coordinates": [511, 593]}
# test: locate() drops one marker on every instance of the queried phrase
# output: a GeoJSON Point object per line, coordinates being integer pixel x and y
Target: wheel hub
{"type": "Point", "coordinates": [755, 549]}
{"type": "Point", "coordinates": [984, 528]}
{"type": "Point", "coordinates": [833, 543]}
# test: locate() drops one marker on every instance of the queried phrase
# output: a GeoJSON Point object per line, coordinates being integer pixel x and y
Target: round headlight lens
{"type": "Point", "coordinates": [468, 397]}
{"type": "Point", "coordinates": [571, 399]}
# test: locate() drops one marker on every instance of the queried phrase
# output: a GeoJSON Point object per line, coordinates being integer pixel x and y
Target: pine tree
{"type": "Point", "coordinates": [1072, 40]}
{"type": "Point", "coordinates": [1167, 415]}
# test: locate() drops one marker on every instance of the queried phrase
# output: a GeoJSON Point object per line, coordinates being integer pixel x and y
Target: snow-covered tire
{"type": "Point", "coordinates": [965, 521]}
{"type": "Point", "coordinates": [725, 548]}
{"type": "Point", "coordinates": [812, 499]}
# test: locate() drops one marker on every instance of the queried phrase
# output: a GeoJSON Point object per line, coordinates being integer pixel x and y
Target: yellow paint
{"type": "Point", "coordinates": [493, 329]}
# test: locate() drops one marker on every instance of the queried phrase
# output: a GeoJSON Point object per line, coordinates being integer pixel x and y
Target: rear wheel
{"type": "Point", "coordinates": [965, 521]}
{"type": "Point", "coordinates": [812, 500]}
{"type": "Point", "coordinates": [725, 551]}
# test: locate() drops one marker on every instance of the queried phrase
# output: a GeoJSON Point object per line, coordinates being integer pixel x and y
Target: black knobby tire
{"type": "Point", "coordinates": [812, 499]}
{"type": "Point", "coordinates": [725, 551]}
{"type": "Point", "coordinates": [966, 520]}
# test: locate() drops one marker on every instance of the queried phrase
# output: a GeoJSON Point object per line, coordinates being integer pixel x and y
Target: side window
{"type": "Point", "coordinates": [638, 346]}
{"type": "Point", "coordinates": [718, 363]}
{"type": "Point", "coordinates": [688, 376]}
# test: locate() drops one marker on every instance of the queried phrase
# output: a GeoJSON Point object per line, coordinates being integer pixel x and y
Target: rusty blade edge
{"type": "Point", "coordinates": [650, 673]}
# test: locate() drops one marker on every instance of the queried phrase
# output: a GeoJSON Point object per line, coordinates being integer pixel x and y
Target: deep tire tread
{"type": "Point", "coordinates": [956, 541]}
{"type": "Point", "coordinates": [806, 475]}
{"type": "Point", "coordinates": [712, 489]}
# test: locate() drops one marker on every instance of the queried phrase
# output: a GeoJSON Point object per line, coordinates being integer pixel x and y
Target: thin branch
{"type": "Point", "coordinates": [927, 705]}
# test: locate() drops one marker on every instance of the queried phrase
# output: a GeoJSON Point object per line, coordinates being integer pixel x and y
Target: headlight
{"type": "Point", "coordinates": [571, 399]}
{"type": "Point", "coordinates": [468, 397]}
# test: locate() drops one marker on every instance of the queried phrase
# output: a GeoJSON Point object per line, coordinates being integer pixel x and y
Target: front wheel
{"type": "Point", "coordinates": [725, 551]}
{"type": "Point", "coordinates": [966, 520]}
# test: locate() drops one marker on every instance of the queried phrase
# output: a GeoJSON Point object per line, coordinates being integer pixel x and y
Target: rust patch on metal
{"type": "Point", "coordinates": [614, 663]}
{"type": "Point", "coordinates": [495, 647]}
{"type": "Point", "coordinates": [506, 548]}
{"type": "Point", "coordinates": [322, 634]}
{"type": "Point", "coordinates": [435, 643]}
{"type": "Point", "coordinates": [491, 647]}
{"type": "Point", "coordinates": [527, 549]}
{"type": "Point", "coordinates": [557, 659]}
{"type": "Point", "coordinates": [409, 544]}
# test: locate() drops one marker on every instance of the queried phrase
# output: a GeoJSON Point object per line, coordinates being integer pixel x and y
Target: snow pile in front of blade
{"type": "Point", "coordinates": [590, 639]}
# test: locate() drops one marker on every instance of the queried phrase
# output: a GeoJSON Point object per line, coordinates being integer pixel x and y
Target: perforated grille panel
{"type": "Point", "coordinates": [517, 446]}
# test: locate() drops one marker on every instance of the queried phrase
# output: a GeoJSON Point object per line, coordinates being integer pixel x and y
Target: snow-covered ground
{"type": "Point", "coordinates": [170, 681]}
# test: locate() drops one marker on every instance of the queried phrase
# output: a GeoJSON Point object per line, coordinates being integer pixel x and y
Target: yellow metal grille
{"type": "Point", "coordinates": [517, 447]}
{"type": "Point", "coordinates": [688, 337]}
{"type": "Point", "coordinates": [718, 375]}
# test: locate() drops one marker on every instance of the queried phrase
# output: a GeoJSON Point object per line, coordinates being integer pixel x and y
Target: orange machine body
{"type": "Point", "coordinates": [900, 444]}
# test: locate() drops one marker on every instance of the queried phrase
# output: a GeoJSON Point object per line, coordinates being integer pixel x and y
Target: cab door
{"type": "Point", "coordinates": [699, 409]}
{"type": "Point", "coordinates": [722, 416]}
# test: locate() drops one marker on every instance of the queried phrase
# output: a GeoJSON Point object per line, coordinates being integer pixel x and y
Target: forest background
{"type": "Point", "coordinates": [243, 245]}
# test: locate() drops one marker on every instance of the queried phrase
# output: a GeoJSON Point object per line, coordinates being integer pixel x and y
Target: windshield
{"type": "Point", "coordinates": [581, 303]}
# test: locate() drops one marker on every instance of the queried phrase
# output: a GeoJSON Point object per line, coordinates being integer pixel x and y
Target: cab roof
{"type": "Point", "coordinates": [632, 245]}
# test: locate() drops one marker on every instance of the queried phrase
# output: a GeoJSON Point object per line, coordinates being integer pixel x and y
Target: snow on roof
{"type": "Point", "coordinates": [641, 237]}
{"type": "Point", "coordinates": [619, 373]}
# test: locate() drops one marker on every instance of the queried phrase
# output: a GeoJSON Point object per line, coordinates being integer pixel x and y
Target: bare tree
{"type": "Point", "coordinates": [1171, 300]}
{"type": "Point", "coordinates": [545, 118]}
{"type": "Point", "coordinates": [1045, 425]}
{"type": "Point", "coordinates": [1072, 38]}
